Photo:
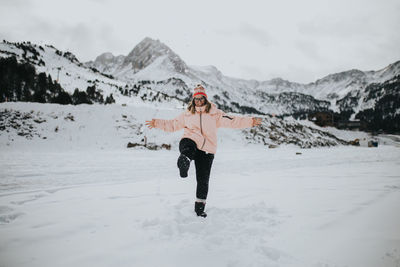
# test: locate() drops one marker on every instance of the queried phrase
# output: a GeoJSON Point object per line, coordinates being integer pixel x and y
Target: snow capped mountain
{"type": "Point", "coordinates": [152, 74]}
{"type": "Point", "coordinates": [386, 73]}
{"type": "Point", "coordinates": [107, 62]}
{"type": "Point", "coordinates": [151, 60]}
{"type": "Point", "coordinates": [63, 66]}
{"type": "Point", "coordinates": [147, 52]}
{"type": "Point", "coordinates": [72, 74]}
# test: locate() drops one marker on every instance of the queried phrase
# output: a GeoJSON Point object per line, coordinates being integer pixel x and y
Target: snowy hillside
{"type": "Point", "coordinates": [72, 74]}
{"type": "Point", "coordinates": [65, 66]}
{"type": "Point", "coordinates": [34, 126]}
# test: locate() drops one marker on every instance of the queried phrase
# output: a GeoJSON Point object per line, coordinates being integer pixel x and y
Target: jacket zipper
{"type": "Point", "coordinates": [201, 130]}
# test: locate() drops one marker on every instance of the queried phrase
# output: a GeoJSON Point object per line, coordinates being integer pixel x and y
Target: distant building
{"type": "Point", "coordinates": [351, 125]}
{"type": "Point", "coordinates": [326, 118]}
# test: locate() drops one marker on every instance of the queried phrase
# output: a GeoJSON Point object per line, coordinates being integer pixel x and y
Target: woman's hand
{"type": "Point", "coordinates": [151, 124]}
{"type": "Point", "coordinates": [256, 121]}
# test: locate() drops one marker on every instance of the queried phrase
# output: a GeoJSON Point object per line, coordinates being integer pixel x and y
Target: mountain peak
{"type": "Point", "coordinates": [343, 76]}
{"type": "Point", "coordinates": [148, 50]}
{"type": "Point", "coordinates": [390, 70]}
{"type": "Point", "coordinates": [106, 62]}
{"type": "Point", "coordinates": [105, 57]}
{"type": "Point", "coordinates": [151, 41]}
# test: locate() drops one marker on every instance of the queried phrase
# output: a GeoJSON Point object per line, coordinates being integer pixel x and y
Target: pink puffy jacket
{"type": "Point", "coordinates": [202, 127]}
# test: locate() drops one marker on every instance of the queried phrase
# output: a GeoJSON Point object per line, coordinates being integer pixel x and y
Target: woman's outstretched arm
{"type": "Point", "coordinates": [227, 121]}
{"type": "Point", "coordinates": [173, 125]}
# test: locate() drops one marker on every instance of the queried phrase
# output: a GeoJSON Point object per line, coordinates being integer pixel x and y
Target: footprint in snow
{"type": "Point", "coordinates": [8, 218]}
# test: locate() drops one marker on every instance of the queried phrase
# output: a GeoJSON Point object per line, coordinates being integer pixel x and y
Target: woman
{"type": "Point", "coordinates": [199, 142]}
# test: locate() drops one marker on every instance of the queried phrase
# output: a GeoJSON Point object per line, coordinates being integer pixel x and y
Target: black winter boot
{"type": "Point", "coordinates": [199, 209]}
{"type": "Point", "coordinates": [183, 165]}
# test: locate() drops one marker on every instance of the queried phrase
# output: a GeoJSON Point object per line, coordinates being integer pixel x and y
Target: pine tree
{"type": "Point", "coordinates": [63, 98]}
{"type": "Point", "coordinates": [80, 97]}
{"type": "Point", "coordinates": [26, 93]}
{"type": "Point", "coordinates": [109, 99]}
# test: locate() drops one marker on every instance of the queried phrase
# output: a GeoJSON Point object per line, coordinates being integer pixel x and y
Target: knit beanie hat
{"type": "Point", "coordinates": [199, 90]}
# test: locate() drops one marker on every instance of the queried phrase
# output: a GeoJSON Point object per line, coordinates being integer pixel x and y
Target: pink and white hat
{"type": "Point", "coordinates": [199, 90]}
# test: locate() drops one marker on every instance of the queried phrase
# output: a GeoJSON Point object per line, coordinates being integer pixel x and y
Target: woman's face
{"type": "Point", "coordinates": [199, 101]}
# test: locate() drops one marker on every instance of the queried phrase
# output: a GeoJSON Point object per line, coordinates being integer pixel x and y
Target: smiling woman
{"type": "Point", "coordinates": [199, 143]}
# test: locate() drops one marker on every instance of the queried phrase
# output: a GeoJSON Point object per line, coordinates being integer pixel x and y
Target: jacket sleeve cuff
{"type": "Point", "coordinates": [250, 122]}
{"type": "Point", "coordinates": [158, 123]}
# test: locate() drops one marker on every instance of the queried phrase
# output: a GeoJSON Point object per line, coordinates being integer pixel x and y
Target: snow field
{"type": "Point", "coordinates": [325, 207]}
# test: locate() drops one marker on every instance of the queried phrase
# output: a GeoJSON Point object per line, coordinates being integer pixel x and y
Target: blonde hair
{"type": "Point", "coordinates": [192, 106]}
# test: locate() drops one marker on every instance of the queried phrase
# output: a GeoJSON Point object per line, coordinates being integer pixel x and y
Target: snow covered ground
{"type": "Point", "coordinates": [72, 194]}
{"type": "Point", "coordinates": [267, 207]}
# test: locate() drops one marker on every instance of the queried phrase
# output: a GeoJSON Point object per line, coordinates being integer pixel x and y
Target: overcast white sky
{"type": "Point", "coordinates": [299, 41]}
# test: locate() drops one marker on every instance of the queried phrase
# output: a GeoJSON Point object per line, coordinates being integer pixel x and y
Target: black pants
{"type": "Point", "coordinates": [203, 162]}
